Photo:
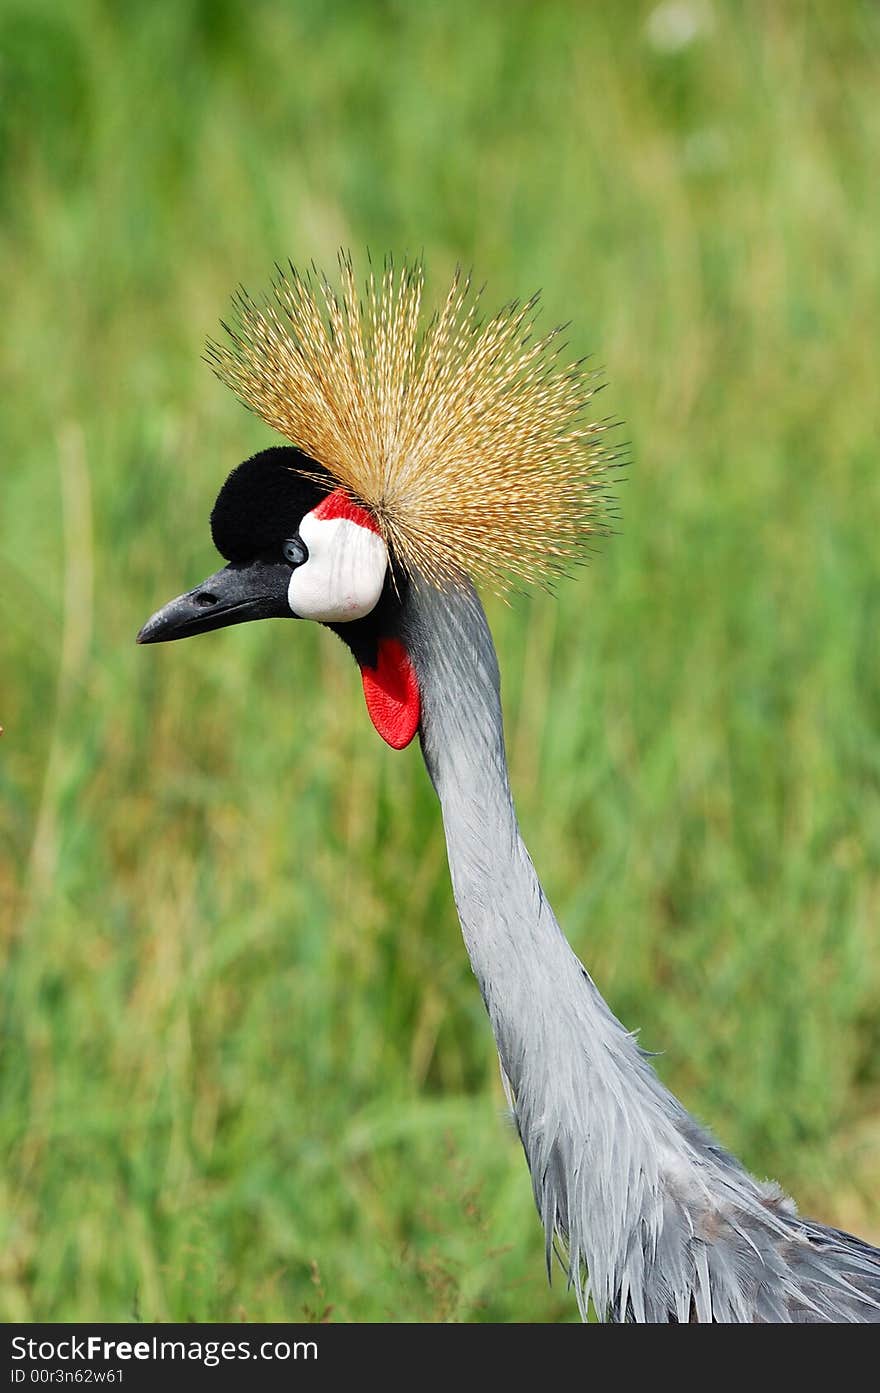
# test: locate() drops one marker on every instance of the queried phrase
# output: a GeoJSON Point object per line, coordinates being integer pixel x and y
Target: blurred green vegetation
{"type": "Point", "coordinates": [245, 1068]}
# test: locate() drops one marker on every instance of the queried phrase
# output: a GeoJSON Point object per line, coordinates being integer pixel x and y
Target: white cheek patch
{"type": "Point", "coordinates": [345, 572]}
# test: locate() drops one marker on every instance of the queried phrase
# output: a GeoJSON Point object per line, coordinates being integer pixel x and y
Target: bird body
{"type": "Point", "coordinates": [652, 1220]}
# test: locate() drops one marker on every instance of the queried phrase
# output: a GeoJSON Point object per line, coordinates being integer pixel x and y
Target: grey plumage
{"type": "Point", "coordinates": [654, 1221]}
{"type": "Point", "coordinates": [469, 446]}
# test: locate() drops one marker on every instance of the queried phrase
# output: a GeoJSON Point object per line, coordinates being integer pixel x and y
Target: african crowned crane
{"type": "Point", "coordinates": [421, 460]}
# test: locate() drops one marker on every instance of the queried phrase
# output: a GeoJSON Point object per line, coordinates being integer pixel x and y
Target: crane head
{"type": "Point", "coordinates": [460, 446]}
{"type": "Point", "coordinates": [298, 547]}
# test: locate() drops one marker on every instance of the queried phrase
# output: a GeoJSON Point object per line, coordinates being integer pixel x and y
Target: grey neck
{"type": "Point", "coordinates": [592, 1116]}
{"type": "Point", "coordinates": [622, 1175]}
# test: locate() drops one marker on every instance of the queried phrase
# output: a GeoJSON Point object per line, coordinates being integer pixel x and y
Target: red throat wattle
{"type": "Point", "coordinates": [391, 690]}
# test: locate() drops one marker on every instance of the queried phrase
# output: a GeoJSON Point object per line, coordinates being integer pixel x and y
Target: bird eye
{"type": "Point", "coordinates": [294, 551]}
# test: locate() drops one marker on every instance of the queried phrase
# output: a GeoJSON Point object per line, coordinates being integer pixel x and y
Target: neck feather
{"type": "Point", "coordinates": [647, 1207]}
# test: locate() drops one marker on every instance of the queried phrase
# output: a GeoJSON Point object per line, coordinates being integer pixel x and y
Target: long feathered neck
{"type": "Point", "coordinates": [655, 1222]}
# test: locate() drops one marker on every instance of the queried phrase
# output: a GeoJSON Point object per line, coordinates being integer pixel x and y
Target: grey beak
{"type": "Point", "coordinates": [240, 592]}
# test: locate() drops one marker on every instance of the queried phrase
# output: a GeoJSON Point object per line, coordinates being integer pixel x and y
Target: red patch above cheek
{"type": "Point", "coordinates": [391, 690]}
{"type": "Point", "coordinates": [338, 505]}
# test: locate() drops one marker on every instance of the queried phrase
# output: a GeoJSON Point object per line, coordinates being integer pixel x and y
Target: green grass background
{"type": "Point", "coordinates": [245, 1069]}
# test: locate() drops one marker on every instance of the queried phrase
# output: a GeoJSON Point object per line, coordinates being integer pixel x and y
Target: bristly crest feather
{"type": "Point", "coordinates": [470, 440]}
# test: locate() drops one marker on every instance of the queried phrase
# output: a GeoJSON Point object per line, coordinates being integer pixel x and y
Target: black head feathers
{"type": "Point", "coordinates": [263, 501]}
